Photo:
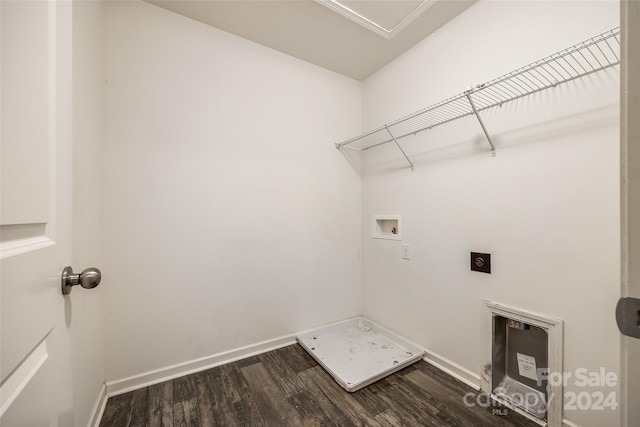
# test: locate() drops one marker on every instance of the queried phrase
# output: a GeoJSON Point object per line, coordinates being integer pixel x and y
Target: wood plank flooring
{"type": "Point", "coordinates": [286, 387]}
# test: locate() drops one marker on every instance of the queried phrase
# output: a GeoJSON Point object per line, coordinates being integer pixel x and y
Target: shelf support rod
{"type": "Point", "coordinates": [399, 147]}
{"type": "Point", "coordinates": [484, 129]}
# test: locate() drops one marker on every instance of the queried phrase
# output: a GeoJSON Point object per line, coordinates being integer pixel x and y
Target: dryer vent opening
{"type": "Point", "coordinates": [520, 351]}
{"type": "Point", "coordinates": [520, 365]}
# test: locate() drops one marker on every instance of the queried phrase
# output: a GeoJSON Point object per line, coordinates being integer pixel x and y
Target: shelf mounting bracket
{"type": "Point", "coordinates": [399, 147]}
{"type": "Point", "coordinates": [484, 129]}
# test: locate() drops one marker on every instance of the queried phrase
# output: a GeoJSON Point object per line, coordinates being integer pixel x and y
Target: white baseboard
{"type": "Point", "coordinates": [98, 407]}
{"type": "Point", "coordinates": [136, 382]}
{"type": "Point", "coordinates": [157, 376]}
{"type": "Point", "coordinates": [459, 372]}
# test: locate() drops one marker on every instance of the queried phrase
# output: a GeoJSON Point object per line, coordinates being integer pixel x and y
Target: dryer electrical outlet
{"type": "Point", "coordinates": [481, 262]}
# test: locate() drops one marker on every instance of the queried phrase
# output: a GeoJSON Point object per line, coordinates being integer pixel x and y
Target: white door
{"type": "Point", "coordinates": [35, 213]}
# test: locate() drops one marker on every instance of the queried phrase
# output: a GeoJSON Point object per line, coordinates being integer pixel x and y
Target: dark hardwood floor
{"type": "Point", "coordinates": [286, 387]}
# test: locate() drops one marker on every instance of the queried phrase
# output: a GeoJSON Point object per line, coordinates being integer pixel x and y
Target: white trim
{"type": "Point", "coordinates": [354, 16]}
{"type": "Point", "coordinates": [567, 423]}
{"type": "Point", "coordinates": [459, 372]}
{"type": "Point", "coordinates": [98, 408]}
{"type": "Point", "coordinates": [22, 246]}
{"type": "Point", "coordinates": [629, 387]}
{"type": "Point", "coordinates": [136, 382]}
{"type": "Point", "coordinates": [157, 376]}
{"type": "Point", "coordinates": [467, 376]}
{"type": "Point", "coordinates": [22, 375]}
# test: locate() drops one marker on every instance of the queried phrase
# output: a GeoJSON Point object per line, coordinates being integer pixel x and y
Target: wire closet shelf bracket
{"type": "Point", "coordinates": [588, 57]}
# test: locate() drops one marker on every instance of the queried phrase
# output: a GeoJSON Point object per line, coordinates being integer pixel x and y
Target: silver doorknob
{"type": "Point", "coordinates": [88, 279]}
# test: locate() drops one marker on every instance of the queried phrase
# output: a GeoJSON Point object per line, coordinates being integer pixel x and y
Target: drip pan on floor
{"type": "Point", "coordinates": [358, 352]}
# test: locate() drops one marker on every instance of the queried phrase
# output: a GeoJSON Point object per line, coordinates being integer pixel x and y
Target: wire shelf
{"type": "Point", "coordinates": [588, 57]}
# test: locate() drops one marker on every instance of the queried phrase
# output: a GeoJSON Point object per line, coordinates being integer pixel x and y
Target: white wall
{"type": "Point", "coordinates": [85, 312]}
{"type": "Point", "coordinates": [229, 216]}
{"type": "Point", "coordinates": [546, 208]}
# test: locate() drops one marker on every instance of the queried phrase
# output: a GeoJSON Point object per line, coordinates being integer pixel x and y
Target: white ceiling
{"type": "Point", "coordinates": [354, 38]}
